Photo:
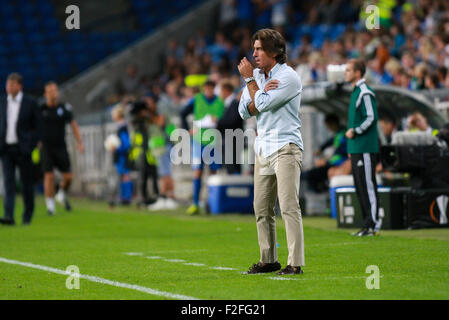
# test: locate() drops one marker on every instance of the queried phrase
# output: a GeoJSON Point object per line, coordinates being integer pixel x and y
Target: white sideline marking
{"type": "Point", "coordinates": [222, 268]}
{"type": "Point", "coordinates": [325, 278]}
{"type": "Point", "coordinates": [181, 261]}
{"type": "Point", "coordinates": [134, 253]}
{"type": "Point", "coordinates": [174, 260]}
{"type": "Point", "coordinates": [194, 264]}
{"type": "Point", "coordinates": [101, 280]}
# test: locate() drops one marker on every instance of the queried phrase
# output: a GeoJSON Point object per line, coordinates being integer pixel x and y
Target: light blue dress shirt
{"type": "Point", "coordinates": [278, 120]}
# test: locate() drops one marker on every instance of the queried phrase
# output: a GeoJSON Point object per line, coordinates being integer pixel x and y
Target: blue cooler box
{"type": "Point", "coordinates": [230, 194]}
{"type": "Point", "coordinates": [335, 183]}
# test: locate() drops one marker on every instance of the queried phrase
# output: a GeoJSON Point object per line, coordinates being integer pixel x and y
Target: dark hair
{"type": "Point", "coordinates": [272, 42]}
{"type": "Point", "coordinates": [209, 83]}
{"type": "Point", "coordinates": [15, 77]}
{"type": "Point", "coordinates": [332, 118]}
{"type": "Point", "coordinates": [226, 84]}
{"type": "Point", "coordinates": [434, 79]}
{"type": "Point", "coordinates": [387, 117]}
{"type": "Point", "coordinates": [359, 65]}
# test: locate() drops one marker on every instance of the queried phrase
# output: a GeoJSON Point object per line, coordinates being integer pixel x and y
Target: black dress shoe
{"type": "Point", "coordinates": [264, 268]}
{"type": "Point", "coordinates": [7, 222]}
{"type": "Point", "coordinates": [291, 270]}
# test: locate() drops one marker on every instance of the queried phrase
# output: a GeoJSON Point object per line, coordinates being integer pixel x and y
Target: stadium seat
{"type": "Point", "coordinates": [35, 38]}
{"type": "Point", "coordinates": [27, 9]}
{"type": "Point", "coordinates": [6, 10]}
{"type": "Point", "coordinates": [11, 25]}
{"type": "Point", "coordinates": [51, 24]}
{"type": "Point", "coordinates": [32, 37]}
{"type": "Point", "coordinates": [317, 42]}
{"type": "Point", "coordinates": [336, 31]}
{"type": "Point", "coordinates": [41, 59]}
{"type": "Point", "coordinates": [45, 9]}
{"type": "Point", "coordinates": [31, 25]}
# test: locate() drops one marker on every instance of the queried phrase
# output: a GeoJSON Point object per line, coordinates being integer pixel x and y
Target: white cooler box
{"type": "Point", "coordinates": [341, 182]}
{"type": "Point", "coordinates": [230, 194]}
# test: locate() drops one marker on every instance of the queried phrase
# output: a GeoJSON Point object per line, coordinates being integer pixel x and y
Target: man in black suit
{"type": "Point", "coordinates": [20, 129]}
{"type": "Point", "coordinates": [230, 120]}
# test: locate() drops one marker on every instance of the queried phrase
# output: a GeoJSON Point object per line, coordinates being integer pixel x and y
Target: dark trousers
{"type": "Point", "coordinates": [317, 178]}
{"type": "Point", "coordinates": [364, 173]}
{"type": "Point", "coordinates": [10, 160]}
{"type": "Point", "coordinates": [146, 172]}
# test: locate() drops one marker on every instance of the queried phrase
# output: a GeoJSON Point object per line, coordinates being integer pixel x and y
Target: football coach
{"type": "Point", "coordinates": [20, 129]}
{"type": "Point", "coordinates": [273, 95]}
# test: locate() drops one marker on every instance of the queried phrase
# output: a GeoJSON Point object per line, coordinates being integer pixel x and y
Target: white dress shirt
{"type": "Point", "coordinates": [13, 116]}
{"type": "Point", "coordinates": [278, 120]}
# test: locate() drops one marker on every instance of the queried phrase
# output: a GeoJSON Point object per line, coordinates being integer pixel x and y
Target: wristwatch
{"type": "Point", "coordinates": [248, 80]}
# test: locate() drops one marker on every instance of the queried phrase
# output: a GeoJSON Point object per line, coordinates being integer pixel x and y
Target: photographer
{"type": "Point", "coordinates": [143, 161]}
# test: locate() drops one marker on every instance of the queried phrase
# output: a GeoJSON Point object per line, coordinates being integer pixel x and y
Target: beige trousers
{"type": "Point", "coordinates": [278, 175]}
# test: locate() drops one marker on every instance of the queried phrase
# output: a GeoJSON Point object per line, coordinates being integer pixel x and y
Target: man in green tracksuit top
{"type": "Point", "coordinates": [363, 145]}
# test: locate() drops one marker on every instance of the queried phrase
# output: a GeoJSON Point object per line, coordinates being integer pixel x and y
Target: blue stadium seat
{"type": "Point", "coordinates": [40, 49]}
{"type": "Point", "coordinates": [53, 35]}
{"type": "Point", "coordinates": [336, 31]}
{"type": "Point", "coordinates": [81, 61]}
{"type": "Point", "coordinates": [50, 24]}
{"type": "Point", "coordinates": [76, 47]}
{"type": "Point", "coordinates": [42, 59]}
{"type": "Point", "coordinates": [306, 29]}
{"type": "Point", "coordinates": [317, 42]}
{"type": "Point", "coordinates": [57, 48]}
{"type": "Point", "coordinates": [324, 29]}
{"type": "Point", "coordinates": [46, 73]}
{"type": "Point", "coordinates": [11, 25]}
{"type": "Point", "coordinates": [26, 9]}
{"type": "Point", "coordinates": [35, 38]}
{"type": "Point", "coordinates": [6, 10]}
{"type": "Point", "coordinates": [45, 9]}
{"type": "Point", "coordinates": [62, 63]}
{"type": "Point", "coordinates": [31, 25]}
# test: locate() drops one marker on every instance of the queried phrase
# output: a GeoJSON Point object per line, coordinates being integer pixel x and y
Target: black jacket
{"type": "Point", "coordinates": [231, 118]}
{"type": "Point", "coordinates": [29, 124]}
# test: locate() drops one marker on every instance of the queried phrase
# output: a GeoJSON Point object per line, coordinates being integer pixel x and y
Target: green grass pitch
{"type": "Point", "coordinates": [203, 257]}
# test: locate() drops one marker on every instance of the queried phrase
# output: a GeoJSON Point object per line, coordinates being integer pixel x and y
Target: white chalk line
{"type": "Point", "coordinates": [195, 264]}
{"type": "Point", "coordinates": [184, 262]}
{"type": "Point", "coordinates": [101, 280]}
{"type": "Point", "coordinates": [134, 253]}
{"type": "Point", "coordinates": [174, 260]}
{"type": "Point", "coordinates": [221, 268]}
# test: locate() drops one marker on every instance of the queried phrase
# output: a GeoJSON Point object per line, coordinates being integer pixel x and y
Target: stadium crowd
{"type": "Point", "coordinates": [409, 48]}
